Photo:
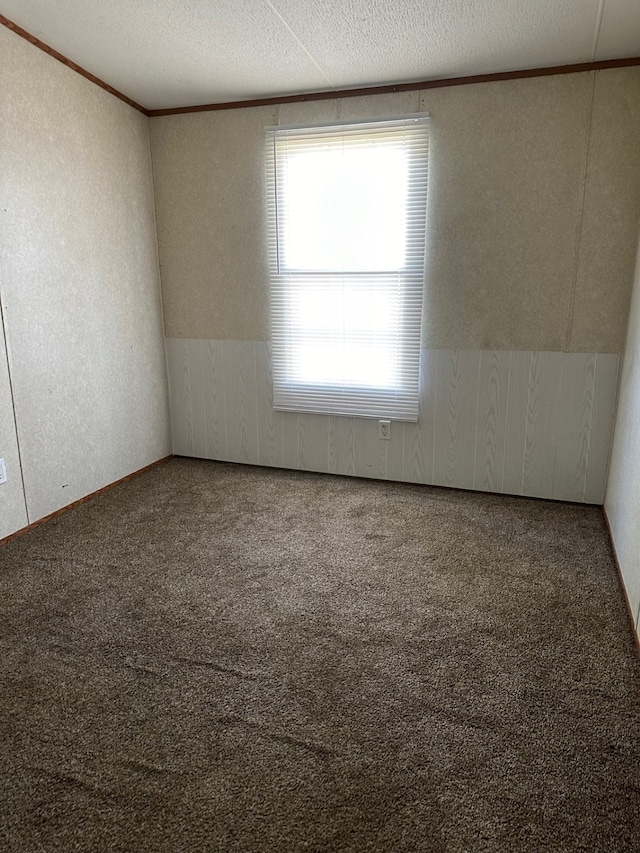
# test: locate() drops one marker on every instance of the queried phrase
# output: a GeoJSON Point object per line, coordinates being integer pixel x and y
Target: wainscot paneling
{"type": "Point", "coordinates": [523, 423]}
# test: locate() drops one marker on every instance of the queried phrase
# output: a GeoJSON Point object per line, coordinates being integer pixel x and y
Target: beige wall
{"type": "Point", "coordinates": [79, 279]}
{"type": "Point", "coordinates": [534, 199]}
{"type": "Point", "coordinates": [622, 503]}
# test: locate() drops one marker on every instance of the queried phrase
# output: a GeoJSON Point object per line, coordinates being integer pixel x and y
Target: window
{"type": "Point", "coordinates": [347, 215]}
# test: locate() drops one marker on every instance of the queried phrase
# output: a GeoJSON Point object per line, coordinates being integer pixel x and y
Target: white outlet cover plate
{"type": "Point", "coordinates": [3, 472]}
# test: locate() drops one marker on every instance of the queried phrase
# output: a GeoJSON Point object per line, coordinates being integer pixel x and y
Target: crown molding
{"type": "Point", "coordinates": [412, 86]}
{"type": "Point", "coordinates": [403, 87]}
{"type": "Point", "coordinates": [69, 63]}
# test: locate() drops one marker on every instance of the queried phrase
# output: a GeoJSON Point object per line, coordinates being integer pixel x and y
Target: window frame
{"type": "Point", "coordinates": [399, 402]}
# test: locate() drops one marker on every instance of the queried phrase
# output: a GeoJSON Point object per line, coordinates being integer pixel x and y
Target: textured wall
{"type": "Point", "coordinates": [534, 198]}
{"type": "Point", "coordinates": [79, 273]}
{"type": "Point", "coordinates": [622, 502]}
{"type": "Point", "coordinates": [210, 205]}
{"type": "Point", "coordinates": [610, 213]}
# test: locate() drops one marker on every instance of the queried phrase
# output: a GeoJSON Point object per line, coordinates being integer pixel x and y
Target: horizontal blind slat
{"type": "Point", "coordinates": [346, 339]}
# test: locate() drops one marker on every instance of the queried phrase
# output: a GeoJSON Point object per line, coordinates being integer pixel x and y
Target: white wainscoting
{"type": "Point", "coordinates": [522, 423]}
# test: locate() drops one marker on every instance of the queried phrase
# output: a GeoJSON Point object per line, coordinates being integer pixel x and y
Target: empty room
{"type": "Point", "coordinates": [319, 426]}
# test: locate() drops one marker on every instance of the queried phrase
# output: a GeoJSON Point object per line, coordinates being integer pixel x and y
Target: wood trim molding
{"type": "Point", "coordinates": [631, 614]}
{"type": "Point", "coordinates": [325, 95]}
{"type": "Point", "coordinates": [83, 500]}
{"type": "Point", "coordinates": [69, 63]}
{"type": "Point", "coordinates": [403, 87]}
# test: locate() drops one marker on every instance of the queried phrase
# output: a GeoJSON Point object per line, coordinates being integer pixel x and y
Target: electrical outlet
{"type": "Point", "coordinates": [384, 429]}
{"type": "Point", "coordinates": [3, 472]}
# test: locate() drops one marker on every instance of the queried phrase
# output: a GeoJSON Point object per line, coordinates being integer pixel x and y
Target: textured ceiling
{"type": "Point", "coordinates": [167, 53]}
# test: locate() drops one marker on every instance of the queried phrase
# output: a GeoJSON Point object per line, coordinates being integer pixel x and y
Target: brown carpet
{"type": "Point", "coordinates": [224, 658]}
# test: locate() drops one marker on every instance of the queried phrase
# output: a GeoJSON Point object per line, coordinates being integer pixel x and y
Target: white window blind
{"type": "Point", "coordinates": [347, 216]}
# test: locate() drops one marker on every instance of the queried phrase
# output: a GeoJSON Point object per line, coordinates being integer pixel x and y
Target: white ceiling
{"type": "Point", "coordinates": [167, 53]}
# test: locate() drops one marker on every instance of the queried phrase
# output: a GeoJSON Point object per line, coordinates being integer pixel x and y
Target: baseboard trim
{"type": "Point", "coordinates": [631, 614]}
{"type": "Point", "coordinates": [83, 500]}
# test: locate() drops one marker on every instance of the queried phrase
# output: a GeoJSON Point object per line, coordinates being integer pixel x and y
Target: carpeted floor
{"type": "Point", "coordinates": [224, 658]}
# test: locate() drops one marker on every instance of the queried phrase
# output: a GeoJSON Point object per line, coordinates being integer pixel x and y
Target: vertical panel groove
{"type": "Point", "coordinates": [506, 421]}
{"type": "Point", "coordinates": [224, 399]}
{"type": "Point", "coordinates": [590, 428]}
{"type": "Point", "coordinates": [476, 419]}
{"type": "Point", "coordinates": [536, 423]}
{"type": "Point", "coordinates": [204, 399]}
